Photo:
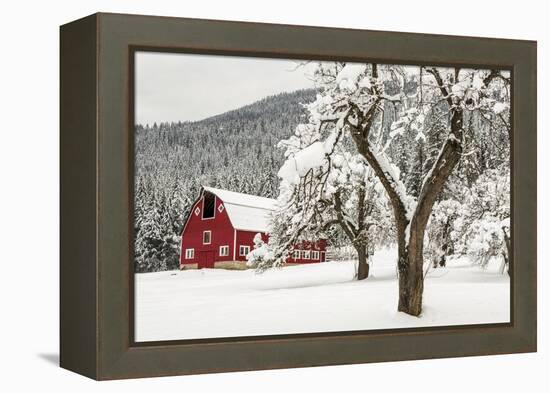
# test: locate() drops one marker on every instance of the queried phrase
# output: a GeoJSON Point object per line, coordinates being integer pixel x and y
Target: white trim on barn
{"type": "Point", "coordinates": [234, 244]}
{"type": "Point", "coordinates": [203, 209]}
{"type": "Point", "coordinates": [243, 250]}
{"type": "Point", "coordinates": [224, 251]}
{"type": "Point", "coordinates": [209, 237]}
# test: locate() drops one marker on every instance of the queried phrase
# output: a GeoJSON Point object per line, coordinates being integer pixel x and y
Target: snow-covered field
{"type": "Point", "coordinates": [311, 298]}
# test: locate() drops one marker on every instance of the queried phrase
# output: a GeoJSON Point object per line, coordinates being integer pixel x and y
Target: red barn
{"type": "Point", "coordinates": [220, 229]}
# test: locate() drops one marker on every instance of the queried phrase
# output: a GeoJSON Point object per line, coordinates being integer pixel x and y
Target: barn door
{"type": "Point", "coordinates": [210, 259]}
{"type": "Point", "coordinates": [206, 259]}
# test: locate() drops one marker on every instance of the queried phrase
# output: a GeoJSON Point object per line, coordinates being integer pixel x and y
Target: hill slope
{"type": "Point", "coordinates": [234, 150]}
{"type": "Point", "coordinates": [238, 145]}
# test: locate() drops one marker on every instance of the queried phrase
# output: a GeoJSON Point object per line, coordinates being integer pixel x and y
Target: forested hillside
{"type": "Point", "coordinates": [234, 150]}
{"type": "Point", "coordinates": [434, 138]}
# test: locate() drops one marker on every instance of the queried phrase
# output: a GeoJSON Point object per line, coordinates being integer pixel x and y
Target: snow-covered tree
{"type": "Point", "coordinates": [149, 240]}
{"type": "Point", "coordinates": [361, 100]}
{"type": "Point", "coordinates": [439, 242]}
{"type": "Point", "coordinates": [483, 229]}
{"type": "Point", "coordinates": [259, 253]}
{"type": "Point", "coordinates": [322, 186]}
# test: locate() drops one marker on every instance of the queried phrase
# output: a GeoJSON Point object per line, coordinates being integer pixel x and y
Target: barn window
{"type": "Point", "coordinates": [190, 253]}
{"type": "Point", "coordinates": [220, 208]}
{"type": "Point", "coordinates": [296, 254]}
{"type": "Point", "coordinates": [244, 250]}
{"type": "Point", "coordinates": [208, 205]}
{"type": "Point", "coordinates": [305, 254]}
{"type": "Point", "coordinates": [315, 255]}
{"type": "Point", "coordinates": [206, 237]}
{"type": "Point", "coordinates": [224, 251]}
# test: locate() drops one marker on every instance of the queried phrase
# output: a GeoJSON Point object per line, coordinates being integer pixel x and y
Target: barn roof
{"type": "Point", "coordinates": [246, 212]}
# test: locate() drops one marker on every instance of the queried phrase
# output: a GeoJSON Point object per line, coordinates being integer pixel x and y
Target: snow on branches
{"type": "Point", "coordinates": [260, 254]}
{"type": "Point", "coordinates": [481, 230]}
{"type": "Point", "coordinates": [362, 126]}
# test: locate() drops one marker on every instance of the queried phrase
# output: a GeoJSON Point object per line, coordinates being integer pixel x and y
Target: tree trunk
{"type": "Point", "coordinates": [357, 235]}
{"type": "Point", "coordinates": [363, 265]}
{"type": "Point", "coordinates": [411, 272]}
{"type": "Point", "coordinates": [504, 263]}
{"type": "Point", "coordinates": [509, 256]}
{"type": "Point", "coordinates": [443, 260]}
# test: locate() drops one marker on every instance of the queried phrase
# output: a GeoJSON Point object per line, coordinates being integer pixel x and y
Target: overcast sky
{"type": "Point", "coordinates": [173, 87]}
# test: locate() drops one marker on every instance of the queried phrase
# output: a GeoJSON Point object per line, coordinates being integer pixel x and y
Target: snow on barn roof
{"type": "Point", "coordinates": [246, 212]}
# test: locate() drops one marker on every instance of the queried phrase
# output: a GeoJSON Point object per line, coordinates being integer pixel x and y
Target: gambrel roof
{"type": "Point", "coordinates": [246, 212]}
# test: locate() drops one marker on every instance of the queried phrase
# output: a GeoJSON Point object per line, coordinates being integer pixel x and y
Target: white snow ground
{"type": "Point", "coordinates": [322, 297]}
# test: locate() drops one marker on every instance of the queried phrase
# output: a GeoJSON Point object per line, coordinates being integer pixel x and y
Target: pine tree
{"type": "Point", "coordinates": [149, 239]}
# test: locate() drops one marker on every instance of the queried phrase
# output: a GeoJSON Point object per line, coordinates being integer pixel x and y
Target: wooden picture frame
{"type": "Point", "coordinates": [96, 273]}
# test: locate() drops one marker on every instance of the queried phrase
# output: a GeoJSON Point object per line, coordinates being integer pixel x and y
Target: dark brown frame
{"type": "Point", "coordinates": [96, 196]}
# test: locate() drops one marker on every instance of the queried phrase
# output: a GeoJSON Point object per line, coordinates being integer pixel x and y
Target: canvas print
{"type": "Point", "coordinates": [276, 197]}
